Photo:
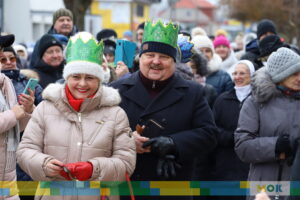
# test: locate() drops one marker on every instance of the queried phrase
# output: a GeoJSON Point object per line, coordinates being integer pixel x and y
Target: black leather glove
{"type": "Point", "coordinates": [166, 167]}
{"type": "Point", "coordinates": [283, 145]}
{"type": "Point", "coordinates": [161, 146]}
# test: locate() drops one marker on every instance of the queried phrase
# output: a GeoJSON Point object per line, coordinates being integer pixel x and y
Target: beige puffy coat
{"type": "Point", "coordinates": [99, 133]}
{"type": "Point", "coordinates": [8, 121]}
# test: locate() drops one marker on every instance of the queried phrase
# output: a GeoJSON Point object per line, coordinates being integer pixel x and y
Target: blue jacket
{"type": "Point", "coordinates": [19, 81]}
{"type": "Point", "coordinates": [221, 81]}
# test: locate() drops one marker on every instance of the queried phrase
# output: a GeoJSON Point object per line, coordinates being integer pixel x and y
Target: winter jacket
{"type": "Point", "coordinates": [228, 167]}
{"type": "Point", "coordinates": [183, 112]}
{"type": "Point", "coordinates": [48, 74]}
{"type": "Point", "coordinates": [221, 81]}
{"type": "Point", "coordinates": [20, 81]}
{"type": "Point", "coordinates": [264, 116]}
{"type": "Point", "coordinates": [210, 94]}
{"type": "Point", "coordinates": [99, 134]}
{"type": "Point", "coordinates": [8, 122]}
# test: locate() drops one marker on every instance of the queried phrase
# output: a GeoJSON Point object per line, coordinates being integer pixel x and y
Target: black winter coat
{"type": "Point", "coordinates": [181, 109]}
{"type": "Point", "coordinates": [47, 73]}
{"type": "Point", "coordinates": [228, 167]}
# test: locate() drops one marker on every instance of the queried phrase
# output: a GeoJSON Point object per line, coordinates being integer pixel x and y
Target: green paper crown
{"type": "Point", "coordinates": [159, 32]}
{"type": "Point", "coordinates": [84, 47]}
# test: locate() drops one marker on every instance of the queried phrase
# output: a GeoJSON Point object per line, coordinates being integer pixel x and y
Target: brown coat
{"type": "Point", "coordinates": [99, 133]}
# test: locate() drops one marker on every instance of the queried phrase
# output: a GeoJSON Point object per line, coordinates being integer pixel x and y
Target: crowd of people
{"type": "Point", "coordinates": [192, 108]}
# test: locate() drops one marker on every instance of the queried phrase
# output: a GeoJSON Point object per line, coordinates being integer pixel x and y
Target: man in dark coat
{"type": "Point", "coordinates": [176, 123]}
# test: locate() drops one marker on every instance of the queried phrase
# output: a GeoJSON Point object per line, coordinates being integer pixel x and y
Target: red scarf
{"type": "Point", "coordinates": [75, 103]}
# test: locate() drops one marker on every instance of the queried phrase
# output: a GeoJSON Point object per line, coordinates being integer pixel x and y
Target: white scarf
{"type": "Point", "coordinates": [242, 92]}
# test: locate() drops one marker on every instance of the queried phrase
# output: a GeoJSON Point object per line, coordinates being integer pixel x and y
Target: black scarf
{"type": "Point", "coordinates": [13, 74]}
{"type": "Point", "coordinates": [288, 92]}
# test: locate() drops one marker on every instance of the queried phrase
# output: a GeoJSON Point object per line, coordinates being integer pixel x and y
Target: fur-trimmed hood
{"type": "Point", "coordinates": [263, 88]}
{"type": "Point", "coordinates": [105, 96]}
{"type": "Point", "coordinates": [214, 64]}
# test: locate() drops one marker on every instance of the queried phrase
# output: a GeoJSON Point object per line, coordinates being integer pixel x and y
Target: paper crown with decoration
{"type": "Point", "coordinates": [185, 47]}
{"type": "Point", "coordinates": [160, 37]}
{"type": "Point", "coordinates": [84, 55]}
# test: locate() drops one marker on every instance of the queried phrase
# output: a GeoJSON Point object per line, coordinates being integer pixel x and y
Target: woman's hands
{"type": "Point", "coordinates": [53, 168]}
{"type": "Point", "coordinates": [27, 101]}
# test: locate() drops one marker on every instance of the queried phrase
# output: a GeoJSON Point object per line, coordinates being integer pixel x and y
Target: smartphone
{"type": "Point", "coordinates": [152, 128]}
{"type": "Point", "coordinates": [32, 83]}
{"type": "Point", "coordinates": [125, 51]}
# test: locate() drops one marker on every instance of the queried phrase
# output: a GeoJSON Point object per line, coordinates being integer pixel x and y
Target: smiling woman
{"type": "Point", "coordinates": [71, 112]}
{"type": "Point", "coordinates": [83, 85]}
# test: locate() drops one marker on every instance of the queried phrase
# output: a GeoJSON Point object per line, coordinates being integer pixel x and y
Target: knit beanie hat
{"type": "Point", "coordinates": [198, 31]}
{"type": "Point", "coordinates": [221, 40]}
{"type": "Point", "coordinates": [47, 41]}
{"type": "Point", "coordinates": [269, 44]}
{"type": "Point", "coordinates": [283, 63]}
{"type": "Point", "coordinates": [9, 49]}
{"type": "Point", "coordinates": [265, 26]}
{"type": "Point", "coordinates": [202, 41]}
{"type": "Point", "coordinates": [60, 13]}
{"type": "Point", "coordinates": [84, 56]}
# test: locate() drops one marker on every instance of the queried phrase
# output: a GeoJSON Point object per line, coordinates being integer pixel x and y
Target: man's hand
{"type": "Point", "coordinates": [139, 141]}
{"type": "Point", "coordinates": [166, 167]}
{"type": "Point", "coordinates": [161, 146]}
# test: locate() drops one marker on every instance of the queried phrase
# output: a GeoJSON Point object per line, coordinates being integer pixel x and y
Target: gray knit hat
{"type": "Point", "coordinates": [62, 12]}
{"type": "Point", "coordinates": [283, 63]}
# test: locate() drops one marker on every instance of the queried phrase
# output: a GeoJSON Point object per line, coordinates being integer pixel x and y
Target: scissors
{"type": "Point", "coordinates": [69, 173]}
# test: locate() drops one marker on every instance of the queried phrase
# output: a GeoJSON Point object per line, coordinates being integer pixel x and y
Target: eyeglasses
{"type": "Point", "coordinates": [4, 60]}
{"type": "Point", "coordinates": [239, 73]}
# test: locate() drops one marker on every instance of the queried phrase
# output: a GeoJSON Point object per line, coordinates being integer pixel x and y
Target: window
{"type": "Point", "coordinates": [140, 10]}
